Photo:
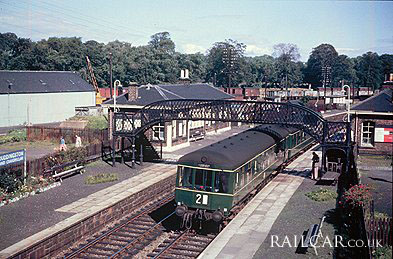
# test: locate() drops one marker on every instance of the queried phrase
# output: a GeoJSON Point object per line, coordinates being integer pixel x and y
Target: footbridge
{"type": "Point", "coordinates": [329, 134]}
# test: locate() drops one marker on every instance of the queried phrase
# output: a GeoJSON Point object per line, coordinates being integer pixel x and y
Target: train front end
{"type": "Point", "coordinates": [202, 194]}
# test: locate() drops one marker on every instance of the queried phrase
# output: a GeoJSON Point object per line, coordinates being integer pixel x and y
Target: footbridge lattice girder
{"type": "Point", "coordinates": [298, 116]}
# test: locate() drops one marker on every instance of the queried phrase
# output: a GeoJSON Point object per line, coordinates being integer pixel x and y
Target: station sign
{"type": "Point", "coordinates": [384, 135]}
{"type": "Point", "coordinates": [12, 157]}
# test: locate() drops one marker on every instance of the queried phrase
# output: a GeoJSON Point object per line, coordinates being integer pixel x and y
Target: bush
{"type": "Point", "coordinates": [322, 195]}
{"type": "Point", "coordinates": [357, 196]}
{"type": "Point", "coordinates": [8, 182]}
{"type": "Point", "coordinates": [72, 154]}
{"type": "Point", "coordinates": [383, 252]}
{"type": "Point", "coordinates": [13, 136]}
{"type": "Point", "coordinates": [97, 122]}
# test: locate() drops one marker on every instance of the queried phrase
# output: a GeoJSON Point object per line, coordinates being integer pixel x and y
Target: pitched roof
{"type": "Point", "coordinates": [153, 93]}
{"type": "Point", "coordinates": [232, 152]}
{"type": "Point", "coordinates": [17, 82]}
{"type": "Point", "coordinates": [381, 102]}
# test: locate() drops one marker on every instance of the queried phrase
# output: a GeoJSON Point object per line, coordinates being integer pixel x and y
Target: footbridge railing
{"type": "Point", "coordinates": [298, 116]}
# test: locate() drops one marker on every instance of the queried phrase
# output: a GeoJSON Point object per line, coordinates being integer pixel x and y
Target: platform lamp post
{"type": "Point", "coordinates": [349, 100]}
{"type": "Point", "coordinates": [115, 84]}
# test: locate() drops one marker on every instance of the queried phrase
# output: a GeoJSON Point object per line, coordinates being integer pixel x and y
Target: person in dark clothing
{"type": "Point", "coordinates": [315, 166]}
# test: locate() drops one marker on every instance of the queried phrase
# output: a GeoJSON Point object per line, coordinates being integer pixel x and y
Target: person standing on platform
{"type": "Point", "coordinates": [315, 166]}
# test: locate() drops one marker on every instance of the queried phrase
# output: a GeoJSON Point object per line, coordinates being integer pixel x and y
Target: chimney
{"type": "Point", "coordinates": [184, 76]}
{"type": "Point", "coordinates": [132, 92]}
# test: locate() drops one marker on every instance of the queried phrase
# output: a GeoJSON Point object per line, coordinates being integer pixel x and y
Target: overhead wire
{"type": "Point", "coordinates": [95, 31]}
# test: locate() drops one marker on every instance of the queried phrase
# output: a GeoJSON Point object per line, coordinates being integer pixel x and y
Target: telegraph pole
{"type": "Point", "coordinates": [110, 72]}
{"type": "Point", "coordinates": [229, 58]}
{"type": "Point", "coordinates": [326, 74]}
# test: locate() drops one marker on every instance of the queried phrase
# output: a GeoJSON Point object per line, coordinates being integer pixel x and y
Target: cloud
{"type": "Point", "coordinates": [253, 50]}
{"type": "Point", "coordinates": [346, 49]}
{"type": "Point", "coordinates": [192, 48]}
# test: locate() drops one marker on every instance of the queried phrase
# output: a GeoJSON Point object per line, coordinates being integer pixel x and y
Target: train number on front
{"type": "Point", "coordinates": [201, 199]}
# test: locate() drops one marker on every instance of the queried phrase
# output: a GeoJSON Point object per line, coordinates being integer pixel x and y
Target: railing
{"type": "Point", "coordinates": [378, 230]}
{"type": "Point", "coordinates": [297, 116]}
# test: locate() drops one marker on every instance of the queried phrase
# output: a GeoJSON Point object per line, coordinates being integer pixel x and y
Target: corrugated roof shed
{"type": "Point", "coordinates": [381, 102]}
{"type": "Point", "coordinates": [153, 93]}
{"type": "Point", "coordinates": [18, 82]}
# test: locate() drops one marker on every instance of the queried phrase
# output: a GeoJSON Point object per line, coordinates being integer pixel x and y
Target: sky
{"type": "Point", "coordinates": [352, 27]}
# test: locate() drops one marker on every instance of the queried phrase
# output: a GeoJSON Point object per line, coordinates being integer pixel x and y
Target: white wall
{"type": "Point", "coordinates": [19, 109]}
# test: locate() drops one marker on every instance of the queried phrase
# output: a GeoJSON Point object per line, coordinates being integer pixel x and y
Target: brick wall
{"type": "Point", "coordinates": [379, 147]}
{"type": "Point", "coordinates": [53, 245]}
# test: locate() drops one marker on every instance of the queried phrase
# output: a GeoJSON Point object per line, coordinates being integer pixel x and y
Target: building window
{"type": "Point", "coordinates": [158, 132]}
{"type": "Point", "coordinates": [368, 130]}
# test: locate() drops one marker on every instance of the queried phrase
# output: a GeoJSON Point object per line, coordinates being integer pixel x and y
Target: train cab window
{"type": "Point", "coordinates": [185, 177]}
{"type": "Point", "coordinates": [198, 179]}
{"type": "Point", "coordinates": [203, 180]}
{"type": "Point", "coordinates": [221, 184]}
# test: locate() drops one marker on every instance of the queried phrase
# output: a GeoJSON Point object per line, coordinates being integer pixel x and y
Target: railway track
{"type": "Point", "coordinates": [131, 237]}
{"type": "Point", "coordinates": [187, 244]}
{"type": "Point", "coordinates": [127, 238]}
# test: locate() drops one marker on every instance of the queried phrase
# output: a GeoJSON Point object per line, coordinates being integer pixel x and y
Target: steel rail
{"type": "Point", "coordinates": [108, 233]}
{"type": "Point", "coordinates": [129, 244]}
{"type": "Point", "coordinates": [170, 244]}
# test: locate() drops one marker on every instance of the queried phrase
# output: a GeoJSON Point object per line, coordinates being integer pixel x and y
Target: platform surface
{"type": "Point", "coordinates": [93, 203]}
{"type": "Point", "coordinates": [245, 234]}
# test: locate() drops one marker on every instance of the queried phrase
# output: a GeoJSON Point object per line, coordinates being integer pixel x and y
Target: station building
{"type": "Point", "coordinates": [31, 97]}
{"type": "Point", "coordinates": [178, 133]}
{"type": "Point", "coordinates": [372, 122]}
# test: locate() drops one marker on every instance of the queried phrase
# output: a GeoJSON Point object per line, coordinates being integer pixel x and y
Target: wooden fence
{"type": "Point", "coordinates": [40, 133]}
{"type": "Point", "coordinates": [38, 166]}
{"type": "Point", "coordinates": [378, 230]}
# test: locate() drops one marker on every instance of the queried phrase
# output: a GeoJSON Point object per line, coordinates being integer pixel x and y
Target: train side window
{"type": "Point", "coordinates": [221, 182]}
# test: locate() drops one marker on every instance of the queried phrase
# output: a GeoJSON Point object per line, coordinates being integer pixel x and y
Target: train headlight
{"type": "Point", "coordinates": [178, 203]}
{"type": "Point", "coordinates": [181, 210]}
{"type": "Point", "coordinates": [225, 209]}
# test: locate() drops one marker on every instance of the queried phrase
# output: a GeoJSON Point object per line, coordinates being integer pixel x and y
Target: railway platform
{"type": "Point", "coordinates": [33, 219]}
{"type": "Point", "coordinates": [250, 233]}
{"type": "Point", "coordinates": [78, 210]}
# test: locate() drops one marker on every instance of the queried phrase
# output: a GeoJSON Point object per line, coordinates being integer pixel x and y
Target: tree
{"type": "Point", "coordinates": [162, 41]}
{"type": "Point", "coordinates": [323, 55]}
{"type": "Point", "coordinates": [263, 68]}
{"type": "Point", "coordinates": [343, 69]}
{"type": "Point", "coordinates": [287, 70]}
{"type": "Point", "coordinates": [225, 60]}
{"type": "Point", "coordinates": [369, 71]}
{"type": "Point", "coordinates": [387, 64]}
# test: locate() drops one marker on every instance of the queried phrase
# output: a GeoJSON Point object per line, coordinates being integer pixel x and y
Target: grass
{"type": "Point", "coordinates": [101, 178]}
{"type": "Point", "coordinates": [322, 195]}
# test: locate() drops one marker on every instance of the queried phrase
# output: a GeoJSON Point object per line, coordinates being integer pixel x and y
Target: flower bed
{"type": "Point", "coordinates": [33, 186]}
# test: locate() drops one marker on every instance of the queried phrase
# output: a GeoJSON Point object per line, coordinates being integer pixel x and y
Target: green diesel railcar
{"type": "Point", "coordinates": [211, 180]}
